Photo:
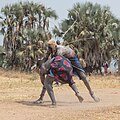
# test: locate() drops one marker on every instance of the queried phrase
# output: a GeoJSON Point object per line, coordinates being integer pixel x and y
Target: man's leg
{"type": "Point", "coordinates": [48, 85]}
{"type": "Point", "coordinates": [74, 88]}
{"type": "Point", "coordinates": [40, 99]}
{"type": "Point", "coordinates": [86, 82]}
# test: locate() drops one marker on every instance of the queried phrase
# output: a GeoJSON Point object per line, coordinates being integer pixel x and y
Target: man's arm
{"type": "Point", "coordinates": [47, 55]}
{"type": "Point", "coordinates": [46, 66]}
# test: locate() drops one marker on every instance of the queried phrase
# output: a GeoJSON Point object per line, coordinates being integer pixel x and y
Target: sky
{"type": "Point", "coordinates": [62, 6]}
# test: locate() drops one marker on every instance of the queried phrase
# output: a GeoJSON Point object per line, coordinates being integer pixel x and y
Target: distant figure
{"type": "Point", "coordinates": [105, 67]}
{"type": "Point", "coordinates": [113, 67]}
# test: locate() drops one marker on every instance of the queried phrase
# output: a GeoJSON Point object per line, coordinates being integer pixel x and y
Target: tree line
{"type": "Point", "coordinates": [94, 32]}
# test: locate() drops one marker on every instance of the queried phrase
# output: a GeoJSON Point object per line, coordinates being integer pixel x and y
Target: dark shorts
{"type": "Point", "coordinates": [76, 64]}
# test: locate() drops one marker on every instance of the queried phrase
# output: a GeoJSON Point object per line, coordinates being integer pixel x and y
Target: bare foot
{"type": "Point", "coordinates": [53, 105]}
{"type": "Point", "coordinates": [79, 98]}
{"type": "Point", "coordinates": [96, 99]}
{"type": "Point", "coordinates": [39, 101]}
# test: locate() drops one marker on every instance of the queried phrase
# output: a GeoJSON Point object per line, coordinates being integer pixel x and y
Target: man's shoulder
{"type": "Point", "coordinates": [60, 46]}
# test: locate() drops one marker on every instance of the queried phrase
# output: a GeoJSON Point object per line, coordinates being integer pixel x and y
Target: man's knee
{"type": "Point", "coordinates": [48, 81]}
{"type": "Point", "coordinates": [83, 76]}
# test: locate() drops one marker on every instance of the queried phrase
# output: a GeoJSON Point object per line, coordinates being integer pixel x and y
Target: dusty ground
{"type": "Point", "coordinates": [18, 91]}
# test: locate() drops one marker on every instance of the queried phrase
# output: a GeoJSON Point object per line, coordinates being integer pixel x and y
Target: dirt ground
{"type": "Point", "coordinates": [19, 90]}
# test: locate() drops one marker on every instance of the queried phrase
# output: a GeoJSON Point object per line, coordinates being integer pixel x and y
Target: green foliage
{"type": "Point", "coordinates": [96, 31]}
{"type": "Point", "coordinates": [2, 50]}
{"type": "Point", "coordinates": [27, 24]}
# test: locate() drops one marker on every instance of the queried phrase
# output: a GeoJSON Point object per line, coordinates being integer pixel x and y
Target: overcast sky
{"type": "Point", "coordinates": [61, 6]}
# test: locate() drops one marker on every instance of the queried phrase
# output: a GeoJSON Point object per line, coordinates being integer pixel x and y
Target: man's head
{"type": "Point", "coordinates": [52, 44]}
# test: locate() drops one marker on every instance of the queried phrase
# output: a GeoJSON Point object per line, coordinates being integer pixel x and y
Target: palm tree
{"type": "Point", "coordinates": [93, 33]}
{"type": "Point", "coordinates": [27, 25]}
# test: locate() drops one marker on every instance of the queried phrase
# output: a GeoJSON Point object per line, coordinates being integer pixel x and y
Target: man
{"type": "Point", "coordinates": [54, 50]}
{"type": "Point", "coordinates": [57, 69]}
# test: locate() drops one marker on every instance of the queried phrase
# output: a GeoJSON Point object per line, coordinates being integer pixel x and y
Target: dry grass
{"type": "Point", "coordinates": [99, 82]}
{"type": "Point", "coordinates": [110, 81]}
{"type": "Point", "coordinates": [15, 85]}
{"type": "Point", "coordinates": [17, 90]}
